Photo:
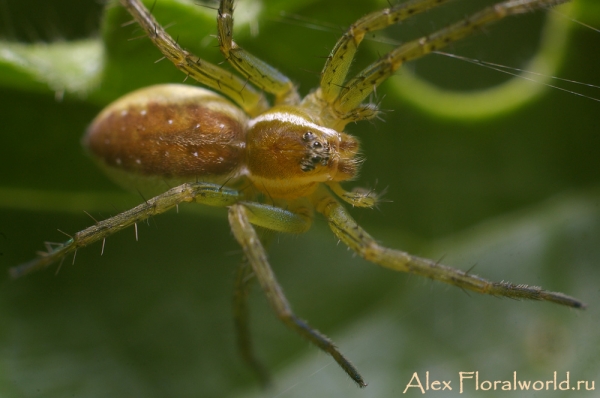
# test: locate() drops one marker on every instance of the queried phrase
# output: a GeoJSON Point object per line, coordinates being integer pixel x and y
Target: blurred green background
{"type": "Point", "coordinates": [515, 193]}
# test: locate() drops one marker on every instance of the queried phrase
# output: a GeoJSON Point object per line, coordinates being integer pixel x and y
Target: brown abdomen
{"type": "Point", "coordinates": [169, 131]}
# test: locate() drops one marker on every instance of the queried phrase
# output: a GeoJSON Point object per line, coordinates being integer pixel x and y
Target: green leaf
{"type": "Point", "coordinates": [514, 194]}
{"type": "Point", "coordinates": [61, 67]}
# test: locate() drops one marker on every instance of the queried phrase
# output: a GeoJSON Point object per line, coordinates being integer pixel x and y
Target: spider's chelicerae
{"type": "Point", "coordinates": [274, 165]}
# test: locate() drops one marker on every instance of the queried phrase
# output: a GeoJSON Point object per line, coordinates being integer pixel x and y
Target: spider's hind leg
{"type": "Point", "coordinates": [243, 280]}
{"type": "Point", "coordinates": [245, 234]}
{"type": "Point", "coordinates": [199, 192]}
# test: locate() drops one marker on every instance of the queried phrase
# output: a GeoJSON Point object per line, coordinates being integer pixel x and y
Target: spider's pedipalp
{"type": "Point", "coordinates": [358, 197]}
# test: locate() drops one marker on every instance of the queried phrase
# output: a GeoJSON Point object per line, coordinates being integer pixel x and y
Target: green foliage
{"type": "Point", "coordinates": [513, 194]}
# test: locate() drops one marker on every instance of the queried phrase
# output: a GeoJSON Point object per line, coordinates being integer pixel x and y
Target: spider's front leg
{"type": "Point", "coordinates": [342, 98]}
{"type": "Point", "coordinates": [241, 218]}
{"type": "Point", "coordinates": [349, 232]}
{"type": "Point", "coordinates": [338, 62]}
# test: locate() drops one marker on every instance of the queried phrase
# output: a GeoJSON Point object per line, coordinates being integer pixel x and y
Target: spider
{"type": "Point", "coordinates": [272, 166]}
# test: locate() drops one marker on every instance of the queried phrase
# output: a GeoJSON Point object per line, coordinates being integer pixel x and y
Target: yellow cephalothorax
{"type": "Point", "coordinates": [288, 154]}
{"type": "Point", "coordinates": [271, 166]}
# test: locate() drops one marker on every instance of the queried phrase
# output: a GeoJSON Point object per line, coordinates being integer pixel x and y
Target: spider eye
{"type": "Point", "coordinates": [317, 152]}
{"type": "Point", "coordinates": [308, 136]}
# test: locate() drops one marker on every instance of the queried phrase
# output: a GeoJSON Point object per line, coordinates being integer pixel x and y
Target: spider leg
{"type": "Point", "coordinates": [349, 232]}
{"type": "Point", "coordinates": [243, 281]}
{"type": "Point", "coordinates": [338, 63]}
{"type": "Point", "coordinates": [344, 98]}
{"type": "Point", "coordinates": [256, 71]}
{"type": "Point", "coordinates": [247, 97]}
{"type": "Point", "coordinates": [361, 86]}
{"type": "Point", "coordinates": [246, 235]}
{"type": "Point", "coordinates": [208, 194]}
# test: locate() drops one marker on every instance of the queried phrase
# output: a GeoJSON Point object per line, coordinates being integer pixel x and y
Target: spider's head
{"type": "Point", "coordinates": [288, 154]}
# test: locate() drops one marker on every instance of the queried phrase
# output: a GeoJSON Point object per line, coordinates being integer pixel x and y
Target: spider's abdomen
{"type": "Point", "coordinates": [170, 132]}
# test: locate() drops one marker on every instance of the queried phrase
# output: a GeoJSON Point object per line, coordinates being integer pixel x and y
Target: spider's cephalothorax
{"type": "Point", "coordinates": [288, 155]}
{"type": "Point", "coordinates": [270, 166]}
